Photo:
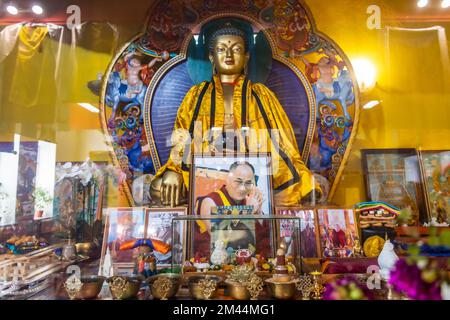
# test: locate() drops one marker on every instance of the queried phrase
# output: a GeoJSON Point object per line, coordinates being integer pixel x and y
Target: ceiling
{"type": "Point", "coordinates": [135, 11]}
{"type": "Point", "coordinates": [115, 11]}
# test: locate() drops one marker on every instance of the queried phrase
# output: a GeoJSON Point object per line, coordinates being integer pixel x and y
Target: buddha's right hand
{"type": "Point", "coordinates": [172, 189]}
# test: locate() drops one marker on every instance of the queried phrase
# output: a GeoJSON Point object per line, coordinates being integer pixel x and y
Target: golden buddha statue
{"type": "Point", "coordinates": [231, 106]}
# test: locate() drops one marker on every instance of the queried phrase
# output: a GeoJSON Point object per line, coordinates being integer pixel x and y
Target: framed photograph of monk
{"type": "Point", "coordinates": [159, 226]}
{"type": "Point", "coordinates": [223, 181]}
{"type": "Point", "coordinates": [122, 225]}
{"type": "Point", "coordinates": [309, 235]}
{"type": "Point", "coordinates": [232, 184]}
{"type": "Point", "coordinates": [338, 232]}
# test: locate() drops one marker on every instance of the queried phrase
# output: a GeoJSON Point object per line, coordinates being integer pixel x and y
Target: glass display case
{"type": "Point", "coordinates": [116, 121]}
{"type": "Point", "coordinates": [218, 242]}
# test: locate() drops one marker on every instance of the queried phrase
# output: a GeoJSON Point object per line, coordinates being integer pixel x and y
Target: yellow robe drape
{"type": "Point", "coordinates": [255, 107]}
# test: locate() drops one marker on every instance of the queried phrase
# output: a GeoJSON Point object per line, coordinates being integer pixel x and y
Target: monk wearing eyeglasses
{"type": "Point", "coordinates": [239, 190]}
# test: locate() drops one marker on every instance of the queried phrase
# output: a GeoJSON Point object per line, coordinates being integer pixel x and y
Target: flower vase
{"type": "Point", "coordinates": [38, 214]}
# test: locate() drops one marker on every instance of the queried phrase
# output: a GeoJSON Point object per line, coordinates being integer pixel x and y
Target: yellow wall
{"type": "Point", "coordinates": [405, 119]}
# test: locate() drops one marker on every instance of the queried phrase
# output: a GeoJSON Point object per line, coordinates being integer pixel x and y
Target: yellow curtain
{"type": "Point", "coordinates": [419, 88]}
{"type": "Point", "coordinates": [45, 72]}
{"type": "Point", "coordinates": [28, 81]}
{"type": "Point", "coordinates": [8, 39]}
{"type": "Point", "coordinates": [27, 100]}
{"type": "Point", "coordinates": [418, 60]}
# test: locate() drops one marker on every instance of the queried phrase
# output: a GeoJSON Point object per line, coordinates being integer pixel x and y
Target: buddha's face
{"type": "Point", "coordinates": [229, 55]}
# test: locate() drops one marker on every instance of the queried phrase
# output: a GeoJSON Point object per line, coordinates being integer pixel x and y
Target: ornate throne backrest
{"type": "Point", "coordinates": [139, 115]}
{"type": "Point", "coordinates": [174, 85]}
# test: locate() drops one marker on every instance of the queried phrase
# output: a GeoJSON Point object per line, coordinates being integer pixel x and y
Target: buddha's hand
{"type": "Point", "coordinates": [255, 198]}
{"type": "Point", "coordinates": [173, 190]}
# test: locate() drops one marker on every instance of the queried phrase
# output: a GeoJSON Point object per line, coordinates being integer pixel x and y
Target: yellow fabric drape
{"type": "Point", "coordinates": [28, 82]}
{"type": "Point", "coordinates": [83, 59]}
{"type": "Point", "coordinates": [8, 39]}
{"type": "Point", "coordinates": [44, 74]}
{"type": "Point", "coordinates": [30, 39]}
{"type": "Point", "coordinates": [291, 178]}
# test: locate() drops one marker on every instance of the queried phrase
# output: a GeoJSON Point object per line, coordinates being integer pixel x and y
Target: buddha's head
{"type": "Point", "coordinates": [228, 51]}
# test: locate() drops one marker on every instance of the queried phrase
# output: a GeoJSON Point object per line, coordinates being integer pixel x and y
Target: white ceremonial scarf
{"type": "Point", "coordinates": [8, 39]}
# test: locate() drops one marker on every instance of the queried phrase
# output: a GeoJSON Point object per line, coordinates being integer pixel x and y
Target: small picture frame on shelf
{"type": "Point", "coordinates": [309, 235]}
{"type": "Point", "coordinates": [435, 166]}
{"type": "Point", "coordinates": [126, 224]}
{"type": "Point", "coordinates": [121, 225]}
{"type": "Point", "coordinates": [394, 176]}
{"type": "Point", "coordinates": [159, 226]}
{"type": "Point", "coordinates": [338, 232]}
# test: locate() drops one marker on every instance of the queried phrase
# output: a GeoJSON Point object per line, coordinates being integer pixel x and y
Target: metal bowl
{"type": "Point", "coordinates": [158, 289]}
{"type": "Point", "coordinates": [87, 249]}
{"type": "Point", "coordinates": [91, 287]}
{"type": "Point", "coordinates": [199, 291]}
{"type": "Point", "coordinates": [280, 289]}
{"type": "Point", "coordinates": [125, 287]}
{"type": "Point", "coordinates": [238, 290]}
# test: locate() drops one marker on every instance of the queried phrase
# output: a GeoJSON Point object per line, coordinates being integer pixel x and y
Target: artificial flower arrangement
{"type": "Point", "coordinates": [418, 276]}
{"type": "Point", "coordinates": [91, 180]}
{"type": "Point", "coordinates": [419, 280]}
{"type": "Point", "coordinates": [258, 263]}
{"type": "Point", "coordinates": [347, 288]}
{"type": "Point", "coordinates": [89, 172]}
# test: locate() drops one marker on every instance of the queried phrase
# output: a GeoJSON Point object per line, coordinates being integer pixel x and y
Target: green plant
{"type": "Point", "coordinates": [404, 216]}
{"type": "Point", "coordinates": [42, 198]}
{"type": "Point", "coordinates": [443, 239]}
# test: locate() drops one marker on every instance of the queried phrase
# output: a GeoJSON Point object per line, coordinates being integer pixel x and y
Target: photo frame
{"type": "Point", "coordinates": [213, 191]}
{"type": "Point", "coordinates": [338, 230]}
{"type": "Point", "coordinates": [121, 225]}
{"type": "Point", "coordinates": [435, 167]}
{"type": "Point", "coordinates": [159, 226]}
{"type": "Point", "coordinates": [394, 176]}
{"type": "Point", "coordinates": [209, 174]}
{"type": "Point", "coordinates": [201, 243]}
{"type": "Point", "coordinates": [124, 224]}
{"type": "Point", "coordinates": [309, 230]}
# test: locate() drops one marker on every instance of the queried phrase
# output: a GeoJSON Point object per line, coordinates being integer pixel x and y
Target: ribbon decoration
{"type": "Point", "coordinates": [153, 244]}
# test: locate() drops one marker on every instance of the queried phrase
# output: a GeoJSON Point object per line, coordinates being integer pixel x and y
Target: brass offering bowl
{"type": "Point", "coordinates": [87, 249]}
{"type": "Point", "coordinates": [123, 287]}
{"type": "Point", "coordinates": [90, 288]}
{"type": "Point", "coordinates": [204, 287]}
{"type": "Point", "coordinates": [283, 290]}
{"type": "Point", "coordinates": [238, 290]}
{"type": "Point", "coordinates": [165, 285]}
